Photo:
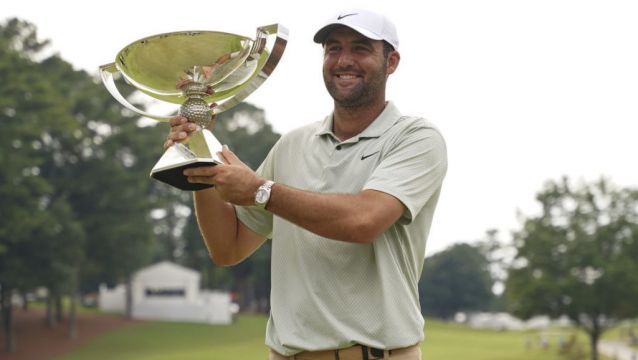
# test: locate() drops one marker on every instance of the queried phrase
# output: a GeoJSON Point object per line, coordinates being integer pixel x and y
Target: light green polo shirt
{"type": "Point", "coordinates": [329, 294]}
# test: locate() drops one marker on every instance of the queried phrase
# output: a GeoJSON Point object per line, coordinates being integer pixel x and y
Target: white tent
{"type": "Point", "coordinates": [167, 291]}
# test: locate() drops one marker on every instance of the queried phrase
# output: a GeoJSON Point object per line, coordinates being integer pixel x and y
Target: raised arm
{"type": "Point", "coordinates": [228, 241]}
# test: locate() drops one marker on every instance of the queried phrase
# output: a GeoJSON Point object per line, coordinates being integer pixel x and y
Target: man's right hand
{"type": "Point", "coordinates": [181, 130]}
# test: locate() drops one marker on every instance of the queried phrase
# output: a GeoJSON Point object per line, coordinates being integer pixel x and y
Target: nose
{"type": "Point", "coordinates": [345, 59]}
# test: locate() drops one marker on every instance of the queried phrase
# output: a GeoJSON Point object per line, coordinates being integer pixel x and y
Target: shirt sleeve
{"type": "Point", "coordinates": [259, 220]}
{"type": "Point", "coordinates": [412, 170]}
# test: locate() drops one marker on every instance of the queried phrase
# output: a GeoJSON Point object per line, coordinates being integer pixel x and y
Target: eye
{"type": "Point", "coordinates": [330, 49]}
{"type": "Point", "coordinates": [362, 49]}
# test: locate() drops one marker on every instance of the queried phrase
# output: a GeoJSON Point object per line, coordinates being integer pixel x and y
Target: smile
{"type": "Point", "coordinates": [347, 77]}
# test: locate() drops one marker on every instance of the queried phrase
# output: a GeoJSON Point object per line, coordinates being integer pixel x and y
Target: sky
{"type": "Point", "coordinates": [523, 91]}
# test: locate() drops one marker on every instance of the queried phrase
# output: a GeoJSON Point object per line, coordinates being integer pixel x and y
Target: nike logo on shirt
{"type": "Point", "coordinates": [363, 157]}
{"type": "Point", "coordinates": [346, 15]}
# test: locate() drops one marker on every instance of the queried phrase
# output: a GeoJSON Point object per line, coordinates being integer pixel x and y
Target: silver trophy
{"type": "Point", "coordinates": [195, 69]}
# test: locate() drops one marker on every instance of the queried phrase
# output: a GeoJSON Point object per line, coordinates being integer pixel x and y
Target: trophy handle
{"type": "Point", "coordinates": [106, 72]}
{"type": "Point", "coordinates": [275, 51]}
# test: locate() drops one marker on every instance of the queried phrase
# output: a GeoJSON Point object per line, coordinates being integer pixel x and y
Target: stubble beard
{"type": "Point", "coordinates": [362, 95]}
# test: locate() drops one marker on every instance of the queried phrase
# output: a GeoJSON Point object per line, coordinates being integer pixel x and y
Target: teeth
{"type": "Point", "coordinates": [346, 77]}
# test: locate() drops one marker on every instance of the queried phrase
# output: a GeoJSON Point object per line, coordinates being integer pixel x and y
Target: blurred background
{"type": "Point", "coordinates": [534, 247]}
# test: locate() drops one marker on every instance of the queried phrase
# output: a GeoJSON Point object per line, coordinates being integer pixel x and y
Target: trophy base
{"type": "Point", "coordinates": [175, 176]}
{"type": "Point", "coordinates": [200, 150]}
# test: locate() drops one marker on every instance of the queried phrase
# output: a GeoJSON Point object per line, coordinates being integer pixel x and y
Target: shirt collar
{"type": "Point", "coordinates": [388, 117]}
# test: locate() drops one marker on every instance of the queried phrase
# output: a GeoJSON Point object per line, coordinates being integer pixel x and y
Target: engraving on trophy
{"type": "Point", "coordinates": [195, 69]}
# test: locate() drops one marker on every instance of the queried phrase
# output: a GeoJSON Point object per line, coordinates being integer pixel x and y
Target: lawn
{"type": "Point", "coordinates": [456, 342]}
{"type": "Point", "coordinates": [167, 340]}
{"type": "Point", "coordinates": [245, 340]}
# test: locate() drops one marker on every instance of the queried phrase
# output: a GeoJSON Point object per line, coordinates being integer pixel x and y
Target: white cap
{"type": "Point", "coordinates": [369, 24]}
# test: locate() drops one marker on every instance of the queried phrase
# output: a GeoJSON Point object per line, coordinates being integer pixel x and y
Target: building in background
{"type": "Point", "coordinates": [167, 291]}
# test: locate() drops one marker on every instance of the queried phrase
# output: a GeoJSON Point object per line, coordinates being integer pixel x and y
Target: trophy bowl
{"type": "Point", "coordinates": [193, 70]}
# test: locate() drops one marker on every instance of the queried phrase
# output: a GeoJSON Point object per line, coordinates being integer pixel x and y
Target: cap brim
{"type": "Point", "coordinates": [321, 35]}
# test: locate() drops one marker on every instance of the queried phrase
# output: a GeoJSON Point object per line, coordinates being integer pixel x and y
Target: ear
{"type": "Point", "coordinates": [393, 62]}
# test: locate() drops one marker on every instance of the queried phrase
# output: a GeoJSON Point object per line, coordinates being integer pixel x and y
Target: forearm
{"type": "Point", "coordinates": [219, 226]}
{"type": "Point", "coordinates": [358, 218]}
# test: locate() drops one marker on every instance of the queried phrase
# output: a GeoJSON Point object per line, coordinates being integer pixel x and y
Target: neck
{"type": "Point", "coordinates": [348, 122]}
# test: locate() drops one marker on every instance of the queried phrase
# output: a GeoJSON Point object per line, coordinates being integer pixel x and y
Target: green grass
{"type": "Point", "coordinates": [621, 332]}
{"type": "Point", "coordinates": [167, 340]}
{"type": "Point", "coordinates": [245, 340]}
{"type": "Point", "coordinates": [452, 341]}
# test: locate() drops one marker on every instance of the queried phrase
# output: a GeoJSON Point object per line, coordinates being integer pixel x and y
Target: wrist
{"type": "Point", "coordinates": [262, 195]}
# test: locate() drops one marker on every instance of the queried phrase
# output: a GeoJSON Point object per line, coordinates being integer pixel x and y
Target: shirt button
{"type": "Point", "coordinates": [338, 147]}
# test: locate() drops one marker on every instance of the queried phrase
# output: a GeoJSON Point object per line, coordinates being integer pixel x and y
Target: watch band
{"type": "Point", "coordinates": [262, 196]}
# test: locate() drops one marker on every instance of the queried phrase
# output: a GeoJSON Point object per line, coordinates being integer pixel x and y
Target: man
{"type": "Point", "coordinates": [348, 202]}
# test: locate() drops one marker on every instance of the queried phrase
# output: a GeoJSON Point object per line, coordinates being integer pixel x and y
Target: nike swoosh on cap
{"type": "Point", "coordinates": [346, 15]}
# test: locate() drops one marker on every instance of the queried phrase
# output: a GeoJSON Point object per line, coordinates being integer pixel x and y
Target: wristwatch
{"type": "Point", "coordinates": [263, 194]}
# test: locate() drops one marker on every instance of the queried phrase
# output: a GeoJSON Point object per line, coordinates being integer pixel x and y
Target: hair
{"type": "Point", "coordinates": [387, 49]}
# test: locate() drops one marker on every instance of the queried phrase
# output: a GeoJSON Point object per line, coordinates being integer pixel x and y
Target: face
{"type": "Point", "coordinates": [355, 69]}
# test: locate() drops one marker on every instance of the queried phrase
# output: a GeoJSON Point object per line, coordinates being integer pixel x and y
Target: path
{"type": "Point", "coordinates": [34, 341]}
{"type": "Point", "coordinates": [617, 350]}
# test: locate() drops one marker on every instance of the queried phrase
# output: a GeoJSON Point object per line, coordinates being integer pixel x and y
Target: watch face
{"type": "Point", "coordinates": [261, 196]}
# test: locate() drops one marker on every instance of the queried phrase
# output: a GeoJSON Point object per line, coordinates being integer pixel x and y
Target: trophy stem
{"type": "Point", "coordinates": [195, 108]}
{"type": "Point", "coordinates": [199, 150]}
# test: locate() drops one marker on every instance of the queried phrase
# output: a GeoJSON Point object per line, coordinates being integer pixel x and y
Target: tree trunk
{"type": "Point", "coordinates": [129, 297]}
{"type": "Point", "coordinates": [594, 336]}
{"type": "Point", "coordinates": [247, 295]}
{"type": "Point", "coordinates": [7, 320]}
{"type": "Point", "coordinates": [25, 301]}
{"type": "Point", "coordinates": [73, 330]}
{"type": "Point", "coordinates": [59, 311]}
{"type": "Point", "coordinates": [205, 278]}
{"type": "Point", "coordinates": [50, 318]}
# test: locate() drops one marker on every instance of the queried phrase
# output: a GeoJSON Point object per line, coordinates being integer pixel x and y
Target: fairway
{"type": "Point", "coordinates": [245, 340]}
{"type": "Point", "coordinates": [166, 340]}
